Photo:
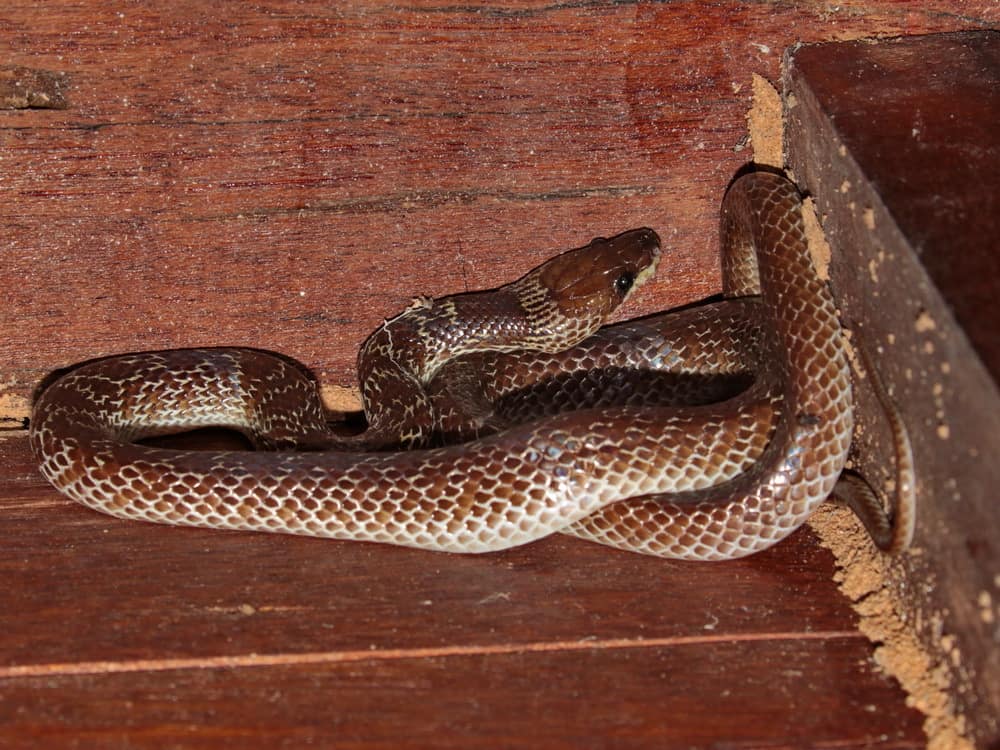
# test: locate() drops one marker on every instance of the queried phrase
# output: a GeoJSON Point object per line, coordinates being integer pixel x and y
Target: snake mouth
{"type": "Point", "coordinates": [652, 246]}
{"type": "Point", "coordinates": [647, 252]}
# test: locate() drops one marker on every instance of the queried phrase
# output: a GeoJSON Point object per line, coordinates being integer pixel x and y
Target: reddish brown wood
{"type": "Point", "coordinates": [898, 142]}
{"type": "Point", "coordinates": [580, 696]}
{"type": "Point", "coordinates": [126, 632]}
{"type": "Point", "coordinates": [920, 117]}
{"type": "Point", "coordinates": [286, 175]}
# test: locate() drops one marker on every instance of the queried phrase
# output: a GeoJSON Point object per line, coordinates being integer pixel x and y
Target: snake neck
{"type": "Point", "coordinates": [550, 309]}
{"type": "Point", "coordinates": [399, 359]}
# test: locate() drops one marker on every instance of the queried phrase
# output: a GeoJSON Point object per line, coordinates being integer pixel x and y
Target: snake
{"type": "Point", "coordinates": [500, 417]}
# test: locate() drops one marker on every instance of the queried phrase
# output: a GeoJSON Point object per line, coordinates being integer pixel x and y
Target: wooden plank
{"type": "Point", "coordinates": [576, 696]}
{"type": "Point", "coordinates": [898, 143]}
{"type": "Point", "coordinates": [60, 577]}
{"type": "Point", "coordinates": [287, 175]}
{"type": "Point", "coordinates": [128, 634]}
{"type": "Point", "coordinates": [929, 147]}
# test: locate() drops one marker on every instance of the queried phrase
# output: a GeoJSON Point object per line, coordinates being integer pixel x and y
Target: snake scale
{"type": "Point", "coordinates": [496, 418]}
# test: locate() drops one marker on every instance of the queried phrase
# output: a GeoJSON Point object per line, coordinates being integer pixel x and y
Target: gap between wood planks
{"type": "Point", "coordinates": [344, 657]}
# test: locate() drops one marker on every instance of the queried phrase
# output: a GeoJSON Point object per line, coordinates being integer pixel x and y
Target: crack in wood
{"type": "Point", "coordinates": [424, 199]}
{"type": "Point", "coordinates": [245, 661]}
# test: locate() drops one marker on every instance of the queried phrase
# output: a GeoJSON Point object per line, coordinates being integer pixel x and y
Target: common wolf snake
{"type": "Point", "coordinates": [630, 445]}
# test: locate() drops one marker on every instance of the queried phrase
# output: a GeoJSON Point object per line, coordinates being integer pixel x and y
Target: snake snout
{"type": "Point", "coordinates": [649, 240]}
{"type": "Point", "coordinates": [638, 250]}
{"type": "Point", "coordinates": [643, 254]}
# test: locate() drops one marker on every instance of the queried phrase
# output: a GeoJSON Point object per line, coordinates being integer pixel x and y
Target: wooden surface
{"type": "Point", "coordinates": [116, 634]}
{"type": "Point", "coordinates": [919, 119]}
{"type": "Point", "coordinates": [285, 176]}
{"type": "Point", "coordinates": [898, 143]}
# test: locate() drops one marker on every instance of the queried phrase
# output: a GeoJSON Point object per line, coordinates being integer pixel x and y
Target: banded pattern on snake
{"type": "Point", "coordinates": [647, 458]}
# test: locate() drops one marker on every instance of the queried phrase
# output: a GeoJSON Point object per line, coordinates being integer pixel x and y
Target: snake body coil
{"type": "Point", "coordinates": [634, 469]}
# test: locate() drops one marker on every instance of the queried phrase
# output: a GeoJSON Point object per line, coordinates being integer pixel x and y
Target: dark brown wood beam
{"type": "Point", "coordinates": [898, 142]}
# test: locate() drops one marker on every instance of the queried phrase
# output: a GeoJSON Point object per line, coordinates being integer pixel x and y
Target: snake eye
{"type": "Point", "coordinates": [623, 283]}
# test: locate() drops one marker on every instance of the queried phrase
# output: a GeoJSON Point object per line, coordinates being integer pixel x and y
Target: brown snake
{"type": "Point", "coordinates": [626, 464]}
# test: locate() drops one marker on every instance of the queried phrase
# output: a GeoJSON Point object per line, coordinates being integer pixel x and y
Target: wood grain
{"type": "Point", "coordinates": [126, 634]}
{"type": "Point", "coordinates": [284, 175]}
{"type": "Point", "coordinates": [578, 698]}
{"type": "Point", "coordinates": [287, 175]}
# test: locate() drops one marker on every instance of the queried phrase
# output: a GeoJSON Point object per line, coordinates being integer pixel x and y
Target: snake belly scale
{"type": "Point", "coordinates": [699, 481]}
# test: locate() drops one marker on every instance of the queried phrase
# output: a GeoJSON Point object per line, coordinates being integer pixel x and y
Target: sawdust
{"type": "Point", "coordinates": [14, 409]}
{"type": "Point", "coordinates": [873, 582]}
{"type": "Point", "coordinates": [819, 248]}
{"type": "Point", "coordinates": [340, 399]}
{"type": "Point", "coordinates": [765, 124]}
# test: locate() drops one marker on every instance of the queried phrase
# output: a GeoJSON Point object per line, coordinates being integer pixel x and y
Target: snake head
{"type": "Point", "coordinates": [589, 283]}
